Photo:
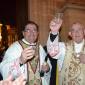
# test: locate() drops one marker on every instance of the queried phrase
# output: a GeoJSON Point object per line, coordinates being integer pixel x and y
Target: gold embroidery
{"type": "Point", "coordinates": [33, 66]}
{"type": "Point", "coordinates": [73, 71]}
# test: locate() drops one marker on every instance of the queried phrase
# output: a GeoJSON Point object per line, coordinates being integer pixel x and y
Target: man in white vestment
{"type": "Point", "coordinates": [73, 69]}
{"type": "Point", "coordinates": [28, 57]}
{"type": "Point", "coordinates": [53, 50]}
{"type": "Point", "coordinates": [73, 66]}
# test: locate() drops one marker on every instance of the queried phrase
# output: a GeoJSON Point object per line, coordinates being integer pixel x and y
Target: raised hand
{"type": "Point", "coordinates": [55, 25]}
{"type": "Point", "coordinates": [27, 54]}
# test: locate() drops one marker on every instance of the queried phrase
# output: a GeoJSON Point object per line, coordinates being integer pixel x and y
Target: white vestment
{"type": "Point", "coordinates": [11, 65]}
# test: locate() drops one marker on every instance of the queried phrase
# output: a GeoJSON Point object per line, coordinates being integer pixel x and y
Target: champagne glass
{"type": "Point", "coordinates": [58, 17]}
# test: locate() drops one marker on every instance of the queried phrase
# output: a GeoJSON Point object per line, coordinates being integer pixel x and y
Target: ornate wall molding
{"type": "Point", "coordinates": [72, 6]}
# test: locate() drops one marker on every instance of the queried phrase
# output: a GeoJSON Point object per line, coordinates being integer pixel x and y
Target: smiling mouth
{"type": "Point", "coordinates": [77, 36]}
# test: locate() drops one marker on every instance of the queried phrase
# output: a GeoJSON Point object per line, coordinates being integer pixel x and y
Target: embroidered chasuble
{"type": "Point", "coordinates": [73, 71]}
{"type": "Point", "coordinates": [33, 66]}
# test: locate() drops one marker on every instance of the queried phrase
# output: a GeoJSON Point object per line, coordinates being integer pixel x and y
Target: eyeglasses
{"type": "Point", "coordinates": [28, 30]}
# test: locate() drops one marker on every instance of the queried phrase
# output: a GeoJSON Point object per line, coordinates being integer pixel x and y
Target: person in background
{"type": "Point", "coordinates": [4, 34]}
{"type": "Point", "coordinates": [73, 66]}
{"type": "Point", "coordinates": [27, 56]}
{"type": "Point", "coordinates": [19, 81]}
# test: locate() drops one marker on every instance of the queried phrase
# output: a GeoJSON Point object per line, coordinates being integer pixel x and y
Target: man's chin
{"type": "Point", "coordinates": [78, 41]}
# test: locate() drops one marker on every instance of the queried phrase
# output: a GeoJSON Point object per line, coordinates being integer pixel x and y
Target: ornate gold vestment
{"type": "Point", "coordinates": [73, 71]}
{"type": "Point", "coordinates": [33, 67]}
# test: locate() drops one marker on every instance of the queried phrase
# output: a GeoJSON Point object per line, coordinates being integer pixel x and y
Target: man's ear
{"type": "Point", "coordinates": [69, 33]}
{"type": "Point", "coordinates": [84, 32]}
{"type": "Point", "coordinates": [23, 33]}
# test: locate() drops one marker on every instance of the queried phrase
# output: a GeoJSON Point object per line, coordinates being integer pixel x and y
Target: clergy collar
{"type": "Point", "coordinates": [79, 43]}
{"type": "Point", "coordinates": [28, 42]}
{"type": "Point", "coordinates": [54, 33]}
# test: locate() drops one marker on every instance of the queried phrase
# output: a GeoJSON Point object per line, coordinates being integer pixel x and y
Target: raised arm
{"type": "Point", "coordinates": [55, 25]}
{"type": "Point", "coordinates": [53, 42]}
